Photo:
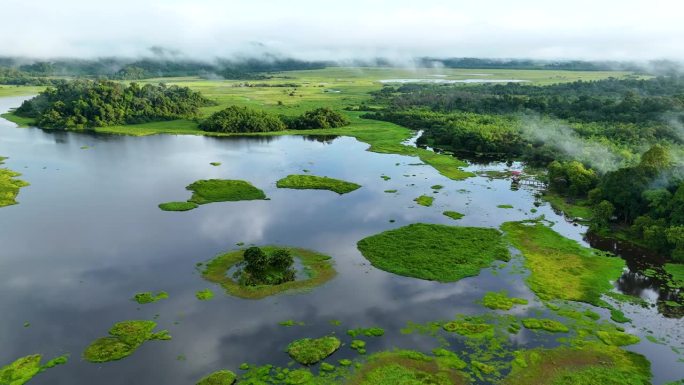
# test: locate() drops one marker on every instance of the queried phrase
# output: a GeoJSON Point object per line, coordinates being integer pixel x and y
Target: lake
{"type": "Point", "coordinates": [87, 235]}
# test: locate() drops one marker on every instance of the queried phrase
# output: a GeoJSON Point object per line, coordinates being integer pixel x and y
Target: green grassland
{"type": "Point", "coordinates": [308, 182]}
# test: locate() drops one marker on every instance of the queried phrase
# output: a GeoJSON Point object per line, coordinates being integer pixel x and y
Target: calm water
{"type": "Point", "coordinates": [87, 235]}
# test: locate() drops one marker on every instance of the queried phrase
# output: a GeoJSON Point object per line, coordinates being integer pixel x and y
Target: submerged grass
{"type": "Point", "coordinates": [318, 268]}
{"type": "Point", "coordinates": [308, 351]}
{"type": "Point", "coordinates": [124, 339]}
{"type": "Point", "coordinates": [561, 268]}
{"type": "Point", "coordinates": [9, 185]}
{"type": "Point", "coordinates": [434, 252]}
{"type": "Point", "coordinates": [25, 368]}
{"type": "Point", "coordinates": [305, 182]}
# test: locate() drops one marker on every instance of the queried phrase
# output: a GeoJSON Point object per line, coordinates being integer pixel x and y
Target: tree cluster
{"type": "Point", "coordinates": [84, 103]}
{"type": "Point", "coordinates": [261, 268]}
{"type": "Point", "coordinates": [236, 119]}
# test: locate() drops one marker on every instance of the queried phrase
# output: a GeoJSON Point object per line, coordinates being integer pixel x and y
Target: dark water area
{"type": "Point", "coordinates": [87, 235]}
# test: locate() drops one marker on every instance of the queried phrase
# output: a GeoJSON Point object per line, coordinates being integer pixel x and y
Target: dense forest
{"type": "Point", "coordinates": [84, 103]}
{"type": "Point", "coordinates": [235, 119]}
{"type": "Point", "coordinates": [615, 143]}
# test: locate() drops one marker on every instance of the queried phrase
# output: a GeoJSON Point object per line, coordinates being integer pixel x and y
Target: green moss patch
{"type": "Point", "coordinates": [434, 252]}
{"type": "Point", "coordinates": [178, 206]}
{"type": "Point", "coordinates": [308, 351]}
{"type": "Point", "coordinates": [676, 271]}
{"type": "Point", "coordinates": [317, 267]}
{"type": "Point", "coordinates": [407, 367]}
{"type": "Point", "coordinates": [9, 185]}
{"type": "Point", "coordinates": [549, 325]}
{"type": "Point", "coordinates": [424, 200]}
{"type": "Point", "coordinates": [589, 364]}
{"type": "Point", "coordinates": [501, 301]}
{"type": "Point", "coordinates": [204, 295]}
{"type": "Point", "coordinates": [222, 377]}
{"type": "Point", "coordinates": [368, 332]}
{"type": "Point", "coordinates": [149, 297]}
{"type": "Point", "coordinates": [455, 215]}
{"type": "Point", "coordinates": [124, 339]}
{"type": "Point", "coordinates": [470, 327]}
{"type": "Point", "coordinates": [24, 369]}
{"type": "Point", "coordinates": [561, 268]}
{"type": "Point", "coordinates": [312, 182]}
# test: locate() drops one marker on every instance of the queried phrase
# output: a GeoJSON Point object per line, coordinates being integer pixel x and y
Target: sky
{"type": "Point", "coordinates": [345, 29]}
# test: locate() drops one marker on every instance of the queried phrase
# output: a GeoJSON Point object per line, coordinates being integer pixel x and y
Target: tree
{"type": "Point", "coordinates": [656, 158]}
{"type": "Point", "coordinates": [602, 213]}
{"type": "Point", "coordinates": [256, 260]}
{"type": "Point", "coordinates": [675, 236]}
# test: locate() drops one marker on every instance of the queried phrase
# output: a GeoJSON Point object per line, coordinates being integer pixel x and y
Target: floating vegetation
{"type": "Point", "coordinates": [215, 190]}
{"type": "Point", "coordinates": [618, 316]}
{"type": "Point", "coordinates": [290, 323]}
{"type": "Point", "coordinates": [204, 295]}
{"type": "Point", "coordinates": [308, 351]}
{"type": "Point", "coordinates": [455, 215]}
{"type": "Point", "coordinates": [149, 297]}
{"type": "Point", "coordinates": [385, 177]}
{"type": "Point", "coordinates": [24, 369]}
{"type": "Point", "coordinates": [178, 206]}
{"type": "Point", "coordinates": [390, 191]}
{"type": "Point", "coordinates": [424, 200]}
{"type": "Point", "coordinates": [407, 367]}
{"type": "Point", "coordinates": [9, 185]}
{"type": "Point", "coordinates": [437, 187]}
{"type": "Point", "coordinates": [125, 338]}
{"type": "Point", "coordinates": [312, 182]}
{"type": "Point", "coordinates": [215, 164]}
{"type": "Point", "coordinates": [617, 338]}
{"type": "Point", "coordinates": [588, 364]}
{"type": "Point", "coordinates": [549, 325]}
{"type": "Point", "coordinates": [561, 268]}
{"type": "Point", "coordinates": [505, 206]}
{"type": "Point", "coordinates": [434, 252]}
{"type": "Point", "coordinates": [317, 268]}
{"type": "Point", "coordinates": [470, 327]}
{"type": "Point", "coordinates": [368, 332]}
{"type": "Point", "coordinates": [627, 298]}
{"type": "Point", "coordinates": [359, 346]}
{"type": "Point", "coordinates": [222, 377]}
{"type": "Point", "coordinates": [501, 301]}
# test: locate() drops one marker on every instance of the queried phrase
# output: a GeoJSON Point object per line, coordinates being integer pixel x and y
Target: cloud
{"type": "Point", "coordinates": [345, 29]}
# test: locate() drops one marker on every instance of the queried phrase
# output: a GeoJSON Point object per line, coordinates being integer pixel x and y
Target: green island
{"type": "Point", "coordinates": [221, 377]}
{"type": "Point", "coordinates": [24, 369]}
{"type": "Point", "coordinates": [434, 252]}
{"type": "Point", "coordinates": [268, 271]}
{"type": "Point", "coordinates": [215, 190]}
{"type": "Point", "coordinates": [455, 215]}
{"type": "Point", "coordinates": [149, 297]}
{"type": "Point", "coordinates": [9, 185]}
{"type": "Point", "coordinates": [559, 267]}
{"type": "Point", "coordinates": [124, 339]}
{"type": "Point", "coordinates": [308, 351]}
{"type": "Point", "coordinates": [312, 182]}
{"type": "Point", "coordinates": [501, 301]}
{"type": "Point", "coordinates": [424, 200]}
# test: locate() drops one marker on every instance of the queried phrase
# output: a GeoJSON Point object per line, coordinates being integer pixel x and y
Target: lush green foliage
{"type": "Point", "coordinates": [549, 325]}
{"type": "Point", "coordinates": [424, 200]}
{"type": "Point", "coordinates": [9, 185]}
{"type": "Point", "coordinates": [322, 117]}
{"type": "Point", "coordinates": [561, 268]}
{"type": "Point", "coordinates": [83, 103]}
{"type": "Point", "coordinates": [178, 206]}
{"type": "Point", "coordinates": [271, 267]}
{"type": "Point", "coordinates": [318, 268]}
{"type": "Point", "coordinates": [309, 351]}
{"type": "Point", "coordinates": [453, 215]}
{"type": "Point", "coordinates": [204, 295]}
{"type": "Point", "coordinates": [434, 252]}
{"type": "Point", "coordinates": [236, 119]}
{"type": "Point", "coordinates": [305, 182]}
{"type": "Point", "coordinates": [124, 339]}
{"type": "Point", "coordinates": [501, 301]}
{"type": "Point", "coordinates": [368, 332]}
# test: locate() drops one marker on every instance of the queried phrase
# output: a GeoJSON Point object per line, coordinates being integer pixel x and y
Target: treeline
{"type": "Point", "coordinates": [21, 72]}
{"type": "Point", "coordinates": [656, 67]}
{"type": "Point", "coordinates": [84, 103]}
{"type": "Point", "coordinates": [235, 119]}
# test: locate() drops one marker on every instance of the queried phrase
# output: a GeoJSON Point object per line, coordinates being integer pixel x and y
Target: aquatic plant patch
{"type": "Point", "coordinates": [501, 301]}
{"type": "Point", "coordinates": [312, 182]}
{"type": "Point", "coordinates": [434, 252]}
{"type": "Point", "coordinates": [561, 268]}
{"type": "Point", "coordinates": [178, 206]}
{"type": "Point", "coordinates": [453, 215]}
{"type": "Point", "coordinates": [424, 200]}
{"type": "Point", "coordinates": [149, 297]}
{"type": "Point", "coordinates": [25, 368]}
{"type": "Point", "coordinates": [124, 339]}
{"type": "Point", "coordinates": [9, 185]}
{"type": "Point", "coordinates": [221, 377]}
{"type": "Point", "coordinates": [308, 351]}
{"type": "Point", "coordinates": [318, 269]}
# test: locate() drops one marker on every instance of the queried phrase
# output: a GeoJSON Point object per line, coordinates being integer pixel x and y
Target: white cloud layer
{"type": "Point", "coordinates": [320, 29]}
